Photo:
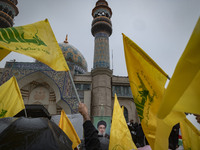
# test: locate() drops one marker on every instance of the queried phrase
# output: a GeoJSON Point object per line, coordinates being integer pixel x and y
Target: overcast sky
{"type": "Point", "coordinates": [161, 28]}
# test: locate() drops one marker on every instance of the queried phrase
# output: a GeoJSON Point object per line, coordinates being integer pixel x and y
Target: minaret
{"type": "Point", "coordinates": [101, 30]}
{"type": "Point", "coordinates": [101, 73]}
{"type": "Point", "coordinates": [8, 11]}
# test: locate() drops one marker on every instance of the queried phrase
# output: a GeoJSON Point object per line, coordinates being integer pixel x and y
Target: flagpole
{"type": "Point", "coordinates": [70, 76]}
{"type": "Point", "coordinates": [25, 112]}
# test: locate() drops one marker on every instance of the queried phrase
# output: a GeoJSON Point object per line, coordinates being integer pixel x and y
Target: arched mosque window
{"type": "Point", "coordinates": [126, 114]}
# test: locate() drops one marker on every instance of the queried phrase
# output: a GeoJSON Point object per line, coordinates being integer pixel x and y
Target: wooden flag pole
{"type": "Point", "coordinates": [70, 76]}
{"type": "Point", "coordinates": [25, 112]}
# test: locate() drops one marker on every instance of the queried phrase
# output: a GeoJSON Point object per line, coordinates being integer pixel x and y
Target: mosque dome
{"type": "Point", "coordinates": [73, 57]}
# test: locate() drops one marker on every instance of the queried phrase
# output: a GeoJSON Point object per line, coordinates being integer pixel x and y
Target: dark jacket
{"type": "Point", "coordinates": [91, 136]}
{"type": "Point", "coordinates": [104, 141]}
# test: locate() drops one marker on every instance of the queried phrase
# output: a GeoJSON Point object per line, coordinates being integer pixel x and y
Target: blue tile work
{"type": "Point", "coordinates": [27, 65]}
{"type": "Point", "coordinates": [21, 70]}
{"type": "Point", "coordinates": [101, 51]}
{"type": "Point", "coordinates": [73, 55]}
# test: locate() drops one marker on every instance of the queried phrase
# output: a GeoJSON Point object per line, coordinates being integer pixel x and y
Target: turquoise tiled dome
{"type": "Point", "coordinates": [73, 55]}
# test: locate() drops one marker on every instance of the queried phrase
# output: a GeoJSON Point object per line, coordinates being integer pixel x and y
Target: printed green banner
{"type": "Point", "coordinates": [36, 40]}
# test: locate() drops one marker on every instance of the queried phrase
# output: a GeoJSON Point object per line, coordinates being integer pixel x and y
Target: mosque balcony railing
{"type": "Point", "coordinates": [9, 6]}
{"type": "Point", "coordinates": [6, 17]}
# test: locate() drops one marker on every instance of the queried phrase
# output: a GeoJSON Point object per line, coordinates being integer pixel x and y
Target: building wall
{"type": "Point", "coordinates": [121, 87]}
{"type": "Point", "coordinates": [95, 90]}
{"type": "Point", "coordinates": [130, 105]}
{"type": "Point", "coordinates": [101, 92]}
{"type": "Point", "coordinates": [56, 86]}
{"type": "Point", "coordinates": [87, 100]}
{"type": "Point", "coordinates": [99, 85]}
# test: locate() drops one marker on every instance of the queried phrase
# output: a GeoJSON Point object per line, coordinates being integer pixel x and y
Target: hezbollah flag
{"type": "Point", "coordinates": [36, 40]}
{"type": "Point", "coordinates": [190, 135]}
{"type": "Point", "coordinates": [11, 101]}
{"type": "Point", "coordinates": [120, 136]}
{"type": "Point", "coordinates": [69, 130]}
{"type": "Point", "coordinates": [147, 81]}
{"type": "Point", "coordinates": [182, 93]}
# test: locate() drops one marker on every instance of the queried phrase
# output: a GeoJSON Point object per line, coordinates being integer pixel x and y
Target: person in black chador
{"type": "Point", "coordinates": [173, 138]}
{"type": "Point", "coordinates": [132, 129]}
{"type": "Point", "coordinates": [140, 136]}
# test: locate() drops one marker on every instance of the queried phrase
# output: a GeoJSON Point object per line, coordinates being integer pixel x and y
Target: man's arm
{"type": "Point", "coordinates": [90, 133]}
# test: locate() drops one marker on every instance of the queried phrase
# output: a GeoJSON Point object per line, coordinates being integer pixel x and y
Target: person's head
{"type": "Point", "coordinates": [131, 121]}
{"type": "Point", "coordinates": [101, 127]}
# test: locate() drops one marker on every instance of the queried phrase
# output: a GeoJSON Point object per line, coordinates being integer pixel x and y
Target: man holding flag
{"type": "Point", "coordinates": [90, 133]}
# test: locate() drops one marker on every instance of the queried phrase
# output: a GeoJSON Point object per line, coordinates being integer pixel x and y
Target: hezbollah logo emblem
{"type": "Point", "coordinates": [3, 112]}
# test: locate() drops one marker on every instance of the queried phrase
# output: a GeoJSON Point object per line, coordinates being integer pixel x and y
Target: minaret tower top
{"type": "Point", "coordinates": [8, 11]}
{"type": "Point", "coordinates": [101, 14]}
{"type": "Point", "coordinates": [101, 30]}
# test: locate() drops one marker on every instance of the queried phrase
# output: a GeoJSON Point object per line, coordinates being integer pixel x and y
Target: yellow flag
{"type": "Point", "coordinates": [190, 135]}
{"type": "Point", "coordinates": [147, 81]}
{"type": "Point", "coordinates": [69, 130]}
{"type": "Point", "coordinates": [164, 127]}
{"type": "Point", "coordinates": [182, 93]}
{"type": "Point", "coordinates": [120, 136]}
{"type": "Point", "coordinates": [36, 40]}
{"type": "Point", "coordinates": [11, 101]}
{"type": "Point", "coordinates": [123, 109]}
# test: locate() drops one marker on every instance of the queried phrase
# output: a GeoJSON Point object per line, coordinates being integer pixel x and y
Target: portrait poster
{"type": "Point", "coordinates": [107, 119]}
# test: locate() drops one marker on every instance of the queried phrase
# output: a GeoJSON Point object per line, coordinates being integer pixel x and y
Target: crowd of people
{"type": "Point", "coordinates": [140, 140]}
{"type": "Point", "coordinates": [99, 140]}
{"type": "Point", "coordinates": [137, 134]}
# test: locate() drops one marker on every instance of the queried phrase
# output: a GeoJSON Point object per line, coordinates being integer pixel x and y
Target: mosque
{"type": "Point", "coordinates": [40, 85]}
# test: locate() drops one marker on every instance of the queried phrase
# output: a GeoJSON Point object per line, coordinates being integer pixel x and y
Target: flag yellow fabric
{"type": "Point", "coordinates": [36, 40]}
{"type": "Point", "coordinates": [190, 100]}
{"type": "Point", "coordinates": [69, 130]}
{"type": "Point", "coordinates": [120, 136]}
{"type": "Point", "coordinates": [123, 109]}
{"type": "Point", "coordinates": [182, 93]}
{"type": "Point", "coordinates": [11, 101]}
{"type": "Point", "coordinates": [190, 135]}
{"type": "Point", "coordinates": [164, 127]}
{"type": "Point", "coordinates": [147, 81]}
